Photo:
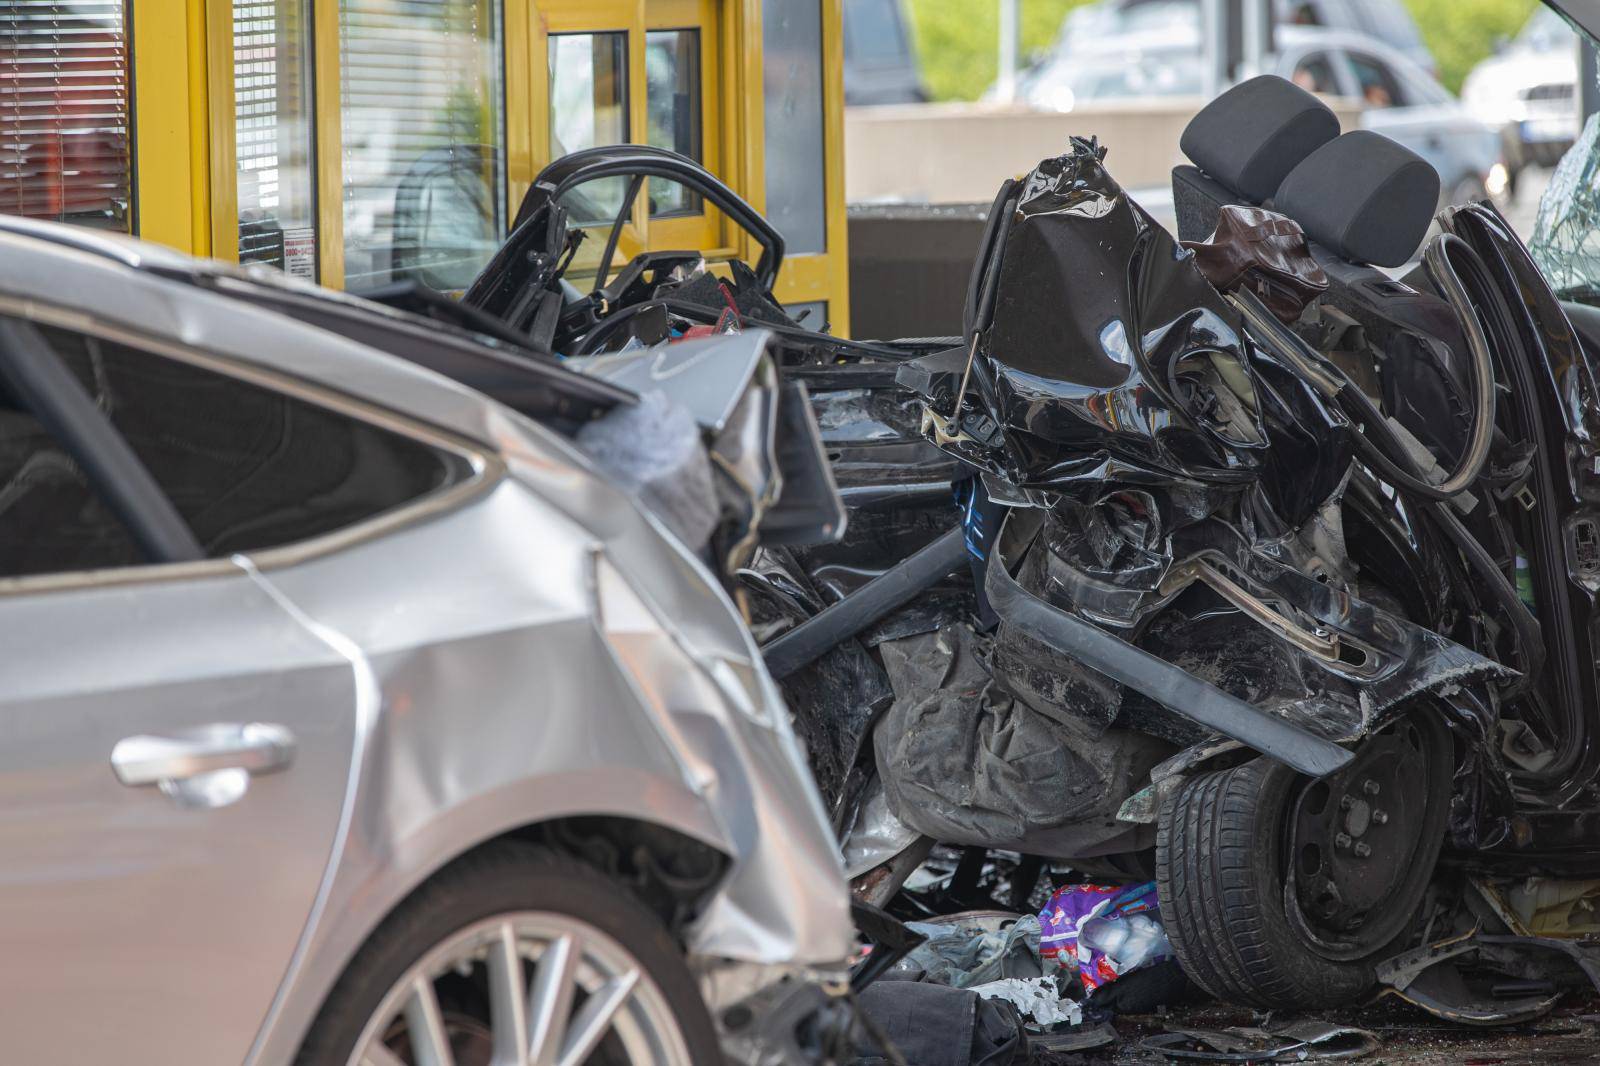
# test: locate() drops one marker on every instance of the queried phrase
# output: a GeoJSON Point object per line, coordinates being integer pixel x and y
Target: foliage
{"type": "Point", "coordinates": [1459, 33]}
{"type": "Point", "coordinates": [957, 41]}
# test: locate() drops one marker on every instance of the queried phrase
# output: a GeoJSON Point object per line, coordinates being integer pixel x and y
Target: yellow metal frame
{"type": "Point", "coordinates": [329, 142]}
{"type": "Point", "coordinates": [184, 125]}
{"type": "Point", "coordinates": [172, 136]}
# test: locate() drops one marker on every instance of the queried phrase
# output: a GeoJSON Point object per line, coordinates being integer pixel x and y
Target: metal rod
{"type": "Point", "coordinates": [890, 590]}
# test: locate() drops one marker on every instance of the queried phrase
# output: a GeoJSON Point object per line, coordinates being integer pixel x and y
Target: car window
{"type": "Point", "coordinates": [249, 468]}
{"type": "Point", "coordinates": [1315, 74]}
{"type": "Point", "coordinates": [51, 521]}
{"type": "Point", "coordinates": [1379, 87]}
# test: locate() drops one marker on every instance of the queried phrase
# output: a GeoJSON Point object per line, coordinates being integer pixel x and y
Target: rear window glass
{"type": "Point", "coordinates": [250, 468]}
{"type": "Point", "coordinates": [51, 521]}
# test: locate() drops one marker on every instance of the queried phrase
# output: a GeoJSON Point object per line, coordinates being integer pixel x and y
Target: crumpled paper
{"type": "Point", "coordinates": [1036, 997]}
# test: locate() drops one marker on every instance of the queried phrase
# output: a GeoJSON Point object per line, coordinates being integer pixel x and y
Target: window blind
{"type": "Point", "coordinates": [255, 104]}
{"type": "Point", "coordinates": [64, 94]}
{"type": "Point", "coordinates": [421, 88]}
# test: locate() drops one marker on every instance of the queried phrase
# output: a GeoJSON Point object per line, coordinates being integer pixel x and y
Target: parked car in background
{"type": "Point", "coordinates": [880, 61]}
{"type": "Point", "coordinates": [1402, 100]}
{"type": "Point", "coordinates": [1387, 20]}
{"type": "Point", "coordinates": [354, 716]}
{"type": "Point", "coordinates": [1529, 92]}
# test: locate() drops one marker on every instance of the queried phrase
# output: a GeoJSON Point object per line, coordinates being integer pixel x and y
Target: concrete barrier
{"type": "Point", "coordinates": [959, 153]}
{"type": "Point", "coordinates": [909, 265]}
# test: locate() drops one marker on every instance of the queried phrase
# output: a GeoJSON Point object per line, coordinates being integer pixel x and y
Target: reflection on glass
{"type": "Point", "coordinates": [672, 101]}
{"type": "Point", "coordinates": [272, 134]}
{"type": "Point", "coordinates": [64, 111]}
{"type": "Point", "coordinates": [421, 94]}
{"type": "Point", "coordinates": [588, 108]}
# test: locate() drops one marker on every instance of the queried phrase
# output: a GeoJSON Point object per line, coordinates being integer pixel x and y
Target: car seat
{"type": "Point", "coordinates": [1242, 145]}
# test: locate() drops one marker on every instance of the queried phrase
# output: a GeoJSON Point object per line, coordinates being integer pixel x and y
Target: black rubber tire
{"type": "Point", "coordinates": [1219, 863]}
{"type": "Point", "coordinates": [496, 879]}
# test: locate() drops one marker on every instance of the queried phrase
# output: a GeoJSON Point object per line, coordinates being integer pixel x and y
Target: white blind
{"type": "Point", "coordinates": [64, 111]}
{"type": "Point", "coordinates": [255, 104]}
{"type": "Point", "coordinates": [420, 87]}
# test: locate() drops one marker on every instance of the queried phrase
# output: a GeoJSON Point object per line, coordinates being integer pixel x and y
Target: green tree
{"type": "Point", "coordinates": [958, 41]}
{"type": "Point", "coordinates": [1460, 33]}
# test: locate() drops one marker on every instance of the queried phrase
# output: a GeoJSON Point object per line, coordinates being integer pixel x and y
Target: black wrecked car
{"type": "Point", "coordinates": [1259, 558]}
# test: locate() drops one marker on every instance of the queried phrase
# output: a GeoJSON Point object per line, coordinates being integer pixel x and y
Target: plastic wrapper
{"type": "Point", "coordinates": [1105, 931]}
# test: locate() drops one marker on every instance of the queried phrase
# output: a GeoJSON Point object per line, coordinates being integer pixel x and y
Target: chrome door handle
{"type": "Point", "coordinates": [254, 747]}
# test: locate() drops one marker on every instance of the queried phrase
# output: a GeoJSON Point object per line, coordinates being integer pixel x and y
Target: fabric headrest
{"type": "Point", "coordinates": [1251, 136]}
{"type": "Point", "coordinates": [1364, 197]}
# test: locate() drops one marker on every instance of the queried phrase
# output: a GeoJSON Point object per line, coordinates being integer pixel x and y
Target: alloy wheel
{"type": "Point", "coordinates": [541, 989]}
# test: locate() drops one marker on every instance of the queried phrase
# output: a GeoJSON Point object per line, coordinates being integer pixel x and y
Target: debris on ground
{"type": "Point", "coordinates": [935, 1025]}
{"type": "Point", "coordinates": [1103, 931]}
{"type": "Point", "coordinates": [1545, 906]}
{"type": "Point", "coordinates": [1036, 997]}
{"type": "Point", "coordinates": [973, 948]}
{"type": "Point", "coordinates": [1293, 1042]}
{"type": "Point", "coordinates": [1481, 979]}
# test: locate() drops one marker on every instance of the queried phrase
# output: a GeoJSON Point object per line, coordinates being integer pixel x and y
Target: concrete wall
{"type": "Point", "coordinates": [909, 265]}
{"type": "Point", "coordinates": [959, 153]}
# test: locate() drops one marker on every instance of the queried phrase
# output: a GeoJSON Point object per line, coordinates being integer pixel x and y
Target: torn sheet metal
{"type": "Point", "coordinates": [1111, 358]}
{"type": "Point", "coordinates": [1481, 979]}
{"type": "Point", "coordinates": [1294, 1042]}
{"type": "Point", "coordinates": [1184, 489]}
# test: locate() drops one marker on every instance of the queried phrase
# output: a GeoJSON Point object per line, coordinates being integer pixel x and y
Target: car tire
{"type": "Point", "coordinates": [1221, 872]}
{"type": "Point", "coordinates": [501, 883]}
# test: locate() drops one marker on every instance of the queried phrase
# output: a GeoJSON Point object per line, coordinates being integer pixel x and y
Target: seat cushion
{"type": "Point", "coordinates": [1365, 197]}
{"type": "Point", "coordinates": [1253, 135]}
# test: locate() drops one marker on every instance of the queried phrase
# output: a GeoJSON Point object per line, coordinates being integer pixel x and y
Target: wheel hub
{"type": "Point", "coordinates": [1354, 836]}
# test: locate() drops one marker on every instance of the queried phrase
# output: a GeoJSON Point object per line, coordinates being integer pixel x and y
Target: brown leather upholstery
{"type": "Point", "coordinates": [1264, 251]}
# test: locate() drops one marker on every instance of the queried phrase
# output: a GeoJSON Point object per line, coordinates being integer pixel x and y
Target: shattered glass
{"type": "Point", "coordinates": [1566, 235]}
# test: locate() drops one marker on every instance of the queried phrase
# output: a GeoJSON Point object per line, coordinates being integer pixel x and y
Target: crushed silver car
{"type": "Point", "coordinates": [354, 715]}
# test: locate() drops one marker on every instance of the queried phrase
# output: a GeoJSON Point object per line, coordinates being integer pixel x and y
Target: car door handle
{"type": "Point", "coordinates": [254, 747]}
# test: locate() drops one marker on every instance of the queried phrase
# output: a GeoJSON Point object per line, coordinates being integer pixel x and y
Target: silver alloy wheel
{"type": "Point", "coordinates": [537, 1022]}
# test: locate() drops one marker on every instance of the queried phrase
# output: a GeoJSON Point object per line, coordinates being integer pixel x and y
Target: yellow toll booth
{"type": "Point", "coordinates": [363, 142]}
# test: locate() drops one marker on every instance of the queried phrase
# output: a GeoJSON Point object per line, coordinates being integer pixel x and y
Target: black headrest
{"type": "Point", "coordinates": [1255, 133]}
{"type": "Point", "coordinates": [1364, 197]}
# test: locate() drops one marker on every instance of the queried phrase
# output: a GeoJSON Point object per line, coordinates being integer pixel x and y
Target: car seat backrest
{"type": "Point", "coordinates": [1363, 197]}
{"type": "Point", "coordinates": [1251, 136]}
{"type": "Point", "coordinates": [1243, 144]}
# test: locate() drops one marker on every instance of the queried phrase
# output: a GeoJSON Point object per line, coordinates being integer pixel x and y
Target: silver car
{"type": "Point", "coordinates": [353, 717]}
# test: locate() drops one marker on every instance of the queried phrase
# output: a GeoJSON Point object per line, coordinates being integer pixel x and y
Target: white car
{"type": "Point", "coordinates": [1529, 92]}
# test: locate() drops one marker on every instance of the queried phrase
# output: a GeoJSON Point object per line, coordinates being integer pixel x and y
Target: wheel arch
{"type": "Point", "coordinates": [676, 850]}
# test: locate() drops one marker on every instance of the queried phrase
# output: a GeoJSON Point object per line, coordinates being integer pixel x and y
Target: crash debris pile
{"type": "Point", "coordinates": [1257, 562]}
{"type": "Point", "coordinates": [1043, 980]}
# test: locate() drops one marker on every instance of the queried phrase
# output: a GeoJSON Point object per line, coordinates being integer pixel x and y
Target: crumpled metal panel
{"type": "Point", "coordinates": [1191, 481]}
{"type": "Point", "coordinates": [1112, 359]}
